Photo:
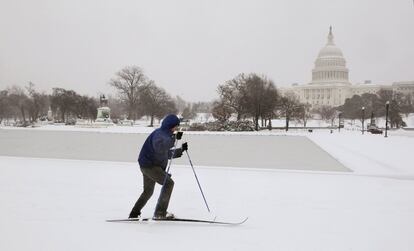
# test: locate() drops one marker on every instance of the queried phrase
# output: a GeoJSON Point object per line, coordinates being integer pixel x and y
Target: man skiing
{"type": "Point", "coordinates": [153, 160]}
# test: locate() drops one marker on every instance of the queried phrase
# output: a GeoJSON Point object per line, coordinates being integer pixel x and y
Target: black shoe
{"type": "Point", "coordinates": [166, 216]}
{"type": "Point", "coordinates": [134, 215]}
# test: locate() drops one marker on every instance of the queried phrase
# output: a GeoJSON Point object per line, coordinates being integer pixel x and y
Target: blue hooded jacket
{"type": "Point", "coordinates": [157, 147]}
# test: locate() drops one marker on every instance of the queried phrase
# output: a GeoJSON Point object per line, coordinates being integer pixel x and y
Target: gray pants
{"type": "Point", "coordinates": [151, 175]}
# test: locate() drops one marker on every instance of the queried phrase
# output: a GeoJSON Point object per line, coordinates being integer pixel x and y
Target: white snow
{"type": "Point", "coordinates": [55, 204]}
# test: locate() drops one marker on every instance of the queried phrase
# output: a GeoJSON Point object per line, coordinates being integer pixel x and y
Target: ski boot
{"type": "Point", "coordinates": [134, 215]}
{"type": "Point", "coordinates": [166, 216]}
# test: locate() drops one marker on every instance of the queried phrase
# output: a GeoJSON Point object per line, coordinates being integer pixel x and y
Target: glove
{"type": "Point", "coordinates": [179, 135]}
{"type": "Point", "coordinates": [184, 147]}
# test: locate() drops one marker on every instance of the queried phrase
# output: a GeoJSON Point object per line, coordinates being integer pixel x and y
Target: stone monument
{"type": "Point", "coordinates": [104, 112]}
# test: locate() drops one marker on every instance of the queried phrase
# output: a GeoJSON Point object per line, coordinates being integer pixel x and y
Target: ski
{"type": "Point", "coordinates": [181, 220]}
{"type": "Point", "coordinates": [205, 221]}
{"type": "Point", "coordinates": [129, 220]}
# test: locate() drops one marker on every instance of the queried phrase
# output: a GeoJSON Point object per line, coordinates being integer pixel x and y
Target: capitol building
{"type": "Point", "coordinates": [330, 84]}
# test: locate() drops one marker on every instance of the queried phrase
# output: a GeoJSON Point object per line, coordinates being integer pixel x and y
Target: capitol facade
{"type": "Point", "coordinates": [330, 84]}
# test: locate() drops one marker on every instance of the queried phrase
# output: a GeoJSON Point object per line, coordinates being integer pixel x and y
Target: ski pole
{"type": "Point", "coordinates": [199, 186]}
{"type": "Point", "coordinates": [172, 157]}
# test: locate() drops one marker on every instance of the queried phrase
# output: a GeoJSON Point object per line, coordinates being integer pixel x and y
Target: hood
{"type": "Point", "coordinates": [170, 121]}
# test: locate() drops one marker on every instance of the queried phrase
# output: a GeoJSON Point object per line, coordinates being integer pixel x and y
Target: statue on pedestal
{"type": "Point", "coordinates": [104, 112]}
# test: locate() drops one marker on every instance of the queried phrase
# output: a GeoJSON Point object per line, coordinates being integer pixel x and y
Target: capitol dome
{"type": "Point", "coordinates": [330, 51]}
{"type": "Point", "coordinates": [330, 66]}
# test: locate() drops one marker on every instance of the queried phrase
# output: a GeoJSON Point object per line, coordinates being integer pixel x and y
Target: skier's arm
{"type": "Point", "coordinates": [177, 153]}
{"type": "Point", "coordinates": [162, 144]}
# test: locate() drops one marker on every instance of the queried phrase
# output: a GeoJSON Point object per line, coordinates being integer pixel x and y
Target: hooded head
{"type": "Point", "coordinates": [169, 122]}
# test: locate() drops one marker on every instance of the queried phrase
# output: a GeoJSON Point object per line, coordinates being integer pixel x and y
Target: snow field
{"type": "Point", "coordinates": [50, 204]}
{"type": "Point", "coordinates": [58, 204]}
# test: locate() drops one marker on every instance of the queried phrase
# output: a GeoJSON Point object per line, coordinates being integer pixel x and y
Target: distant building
{"type": "Point", "coordinates": [330, 80]}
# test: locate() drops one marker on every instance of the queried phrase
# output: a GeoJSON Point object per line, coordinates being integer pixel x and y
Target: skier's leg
{"type": "Point", "coordinates": [158, 175]}
{"type": "Point", "coordinates": [149, 185]}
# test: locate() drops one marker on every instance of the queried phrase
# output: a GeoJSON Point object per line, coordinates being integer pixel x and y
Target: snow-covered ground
{"type": "Point", "coordinates": [142, 125]}
{"type": "Point", "coordinates": [55, 204]}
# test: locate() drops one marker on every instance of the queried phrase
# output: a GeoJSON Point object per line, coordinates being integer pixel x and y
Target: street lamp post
{"type": "Point", "coordinates": [339, 122]}
{"type": "Point", "coordinates": [363, 118]}
{"type": "Point", "coordinates": [387, 108]}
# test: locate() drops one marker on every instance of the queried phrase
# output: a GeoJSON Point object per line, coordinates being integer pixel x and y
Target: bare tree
{"type": "Point", "coordinates": [221, 111]}
{"type": "Point", "coordinates": [406, 103]}
{"type": "Point", "coordinates": [259, 98]}
{"type": "Point", "coordinates": [19, 99]}
{"type": "Point", "coordinates": [290, 107]}
{"type": "Point", "coordinates": [394, 108]}
{"type": "Point", "coordinates": [64, 102]}
{"type": "Point", "coordinates": [117, 108]}
{"type": "Point", "coordinates": [86, 107]}
{"type": "Point", "coordinates": [129, 82]}
{"type": "Point", "coordinates": [327, 113]}
{"type": "Point", "coordinates": [231, 94]}
{"type": "Point", "coordinates": [270, 100]}
{"type": "Point", "coordinates": [38, 103]}
{"type": "Point", "coordinates": [156, 103]}
{"type": "Point", "coordinates": [304, 113]}
{"type": "Point", "coordinates": [5, 109]}
{"type": "Point", "coordinates": [250, 95]}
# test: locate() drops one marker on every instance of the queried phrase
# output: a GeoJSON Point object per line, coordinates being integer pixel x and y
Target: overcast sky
{"type": "Point", "coordinates": [188, 47]}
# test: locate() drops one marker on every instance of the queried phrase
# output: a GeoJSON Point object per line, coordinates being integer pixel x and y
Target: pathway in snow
{"type": "Point", "coordinates": [370, 155]}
